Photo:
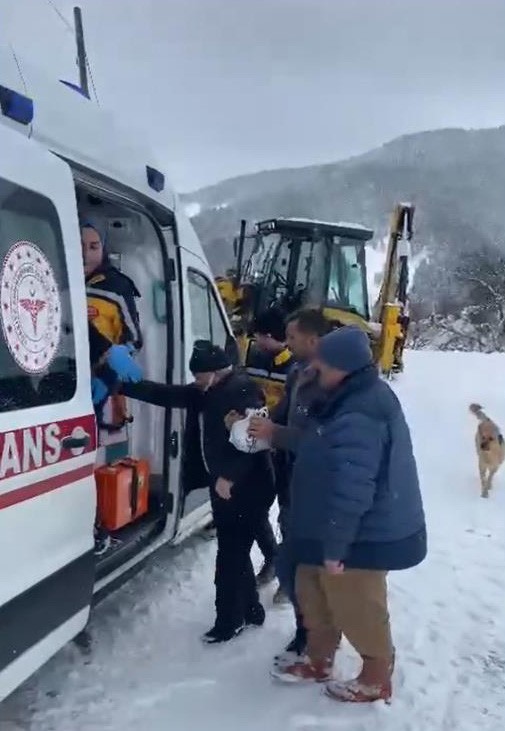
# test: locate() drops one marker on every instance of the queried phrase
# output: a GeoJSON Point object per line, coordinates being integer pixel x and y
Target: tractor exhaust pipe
{"type": "Point", "coordinates": [240, 250]}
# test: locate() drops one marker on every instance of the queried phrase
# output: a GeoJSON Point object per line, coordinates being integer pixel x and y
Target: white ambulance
{"type": "Point", "coordinates": [61, 157]}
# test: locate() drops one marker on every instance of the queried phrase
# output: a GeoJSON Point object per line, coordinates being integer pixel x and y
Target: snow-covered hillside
{"type": "Point", "coordinates": [149, 671]}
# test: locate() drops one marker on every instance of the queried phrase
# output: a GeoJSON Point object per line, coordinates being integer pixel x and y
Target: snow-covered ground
{"type": "Point", "coordinates": [149, 671]}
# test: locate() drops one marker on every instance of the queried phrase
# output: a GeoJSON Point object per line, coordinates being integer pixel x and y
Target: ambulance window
{"type": "Point", "coordinates": [37, 356]}
{"type": "Point", "coordinates": [206, 317]}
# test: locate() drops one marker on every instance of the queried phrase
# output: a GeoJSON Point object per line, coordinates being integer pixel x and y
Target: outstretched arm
{"type": "Point", "coordinates": [160, 394]}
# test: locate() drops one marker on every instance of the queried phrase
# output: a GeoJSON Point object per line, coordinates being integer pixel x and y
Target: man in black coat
{"type": "Point", "coordinates": [241, 484]}
{"type": "Point", "coordinates": [269, 362]}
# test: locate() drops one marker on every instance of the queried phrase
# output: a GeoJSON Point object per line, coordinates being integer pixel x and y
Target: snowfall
{"type": "Point", "coordinates": [148, 670]}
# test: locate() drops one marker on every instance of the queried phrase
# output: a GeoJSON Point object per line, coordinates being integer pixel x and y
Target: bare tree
{"type": "Point", "coordinates": [482, 273]}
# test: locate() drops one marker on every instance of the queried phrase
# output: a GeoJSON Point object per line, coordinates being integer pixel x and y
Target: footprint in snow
{"type": "Point", "coordinates": [164, 694]}
{"type": "Point", "coordinates": [320, 723]}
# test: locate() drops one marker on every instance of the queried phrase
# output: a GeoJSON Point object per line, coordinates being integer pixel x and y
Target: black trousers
{"type": "Point", "coordinates": [236, 592]}
{"type": "Point", "coordinates": [265, 538]}
{"type": "Point", "coordinates": [282, 463]}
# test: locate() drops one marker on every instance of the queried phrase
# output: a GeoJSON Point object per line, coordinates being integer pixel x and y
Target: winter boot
{"type": "Point", "coordinates": [372, 684]}
{"type": "Point", "coordinates": [209, 532]}
{"type": "Point", "coordinates": [255, 617]}
{"type": "Point", "coordinates": [103, 541]}
{"type": "Point", "coordinates": [294, 651]}
{"type": "Point", "coordinates": [84, 642]}
{"type": "Point", "coordinates": [266, 574]}
{"type": "Point", "coordinates": [217, 635]}
{"type": "Point", "coordinates": [304, 671]}
{"type": "Point", "coordinates": [280, 597]}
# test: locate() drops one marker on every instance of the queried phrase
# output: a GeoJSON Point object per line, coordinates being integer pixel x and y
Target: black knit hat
{"type": "Point", "coordinates": [207, 358]}
{"type": "Point", "coordinates": [271, 322]}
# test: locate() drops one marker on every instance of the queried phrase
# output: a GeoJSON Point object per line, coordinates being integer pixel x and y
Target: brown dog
{"type": "Point", "coordinates": [490, 448]}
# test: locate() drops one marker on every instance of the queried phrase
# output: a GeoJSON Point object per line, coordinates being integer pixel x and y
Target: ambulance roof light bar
{"type": "Point", "coordinates": [16, 106]}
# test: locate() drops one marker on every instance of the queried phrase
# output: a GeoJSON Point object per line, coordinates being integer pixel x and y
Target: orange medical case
{"type": "Point", "coordinates": [122, 492]}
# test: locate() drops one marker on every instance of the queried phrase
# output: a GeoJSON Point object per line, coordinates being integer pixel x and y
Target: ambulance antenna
{"type": "Point", "coordinates": [81, 52]}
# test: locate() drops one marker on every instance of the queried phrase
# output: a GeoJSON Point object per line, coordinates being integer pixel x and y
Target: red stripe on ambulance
{"type": "Point", "coordinates": [14, 497]}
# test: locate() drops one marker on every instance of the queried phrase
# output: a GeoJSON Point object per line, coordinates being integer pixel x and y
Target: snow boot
{"type": "Point", "coordinates": [372, 684]}
{"type": "Point", "coordinates": [304, 671]}
{"type": "Point", "coordinates": [209, 532]}
{"type": "Point", "coordinates": [266, 574]}
{"type": "Point", "coordinates": [280, 597]}
{"type": "Point", "coordinates": [84, 642]}
{"type": "Point", "coordinates": [103, 542]}
{"type": "Point", "coordinates": [217, 635]}
{"type": "Point", "coordinates": [255, 617]}
{"type": "Point", "coordinates": [294, 651]}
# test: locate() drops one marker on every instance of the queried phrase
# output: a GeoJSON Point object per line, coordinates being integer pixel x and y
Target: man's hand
{"type": "Point", "coordinates": [334, 568]}
{"type": "Point", "coordinates": [231, 417]}
{"type": "Point", "coordinates": [223, 488]}
{"type": "Point", "coordinates": [261, 428]}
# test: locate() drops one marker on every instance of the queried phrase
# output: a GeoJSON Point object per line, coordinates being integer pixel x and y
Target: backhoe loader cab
{"type": "Point", "coordinates": [297, 262]}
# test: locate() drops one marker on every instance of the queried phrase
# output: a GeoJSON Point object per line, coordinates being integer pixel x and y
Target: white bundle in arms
{"type": "Point", "coordinates": [241, 439]}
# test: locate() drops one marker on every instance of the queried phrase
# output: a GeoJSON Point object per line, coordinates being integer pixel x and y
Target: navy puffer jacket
{"type": "Point", "coordinates": [355, 488]}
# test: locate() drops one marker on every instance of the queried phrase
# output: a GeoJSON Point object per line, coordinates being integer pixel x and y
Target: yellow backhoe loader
{"type": "Point", "coordinates": [295, 262]}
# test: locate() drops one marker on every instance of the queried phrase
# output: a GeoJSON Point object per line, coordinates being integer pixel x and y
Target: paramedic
{"type": "Point", "coordinates": [270, 363]}
{"type": "Point", "coordinates": [113, 315]}
{"type": "Point", "coordinates": [111, 294]}
{"type": "Point", "coordinates": [241, 484]}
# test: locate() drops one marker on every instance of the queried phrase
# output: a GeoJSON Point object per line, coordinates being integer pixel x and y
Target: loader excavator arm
{"type": "Point", "coordinates": [391, 307]}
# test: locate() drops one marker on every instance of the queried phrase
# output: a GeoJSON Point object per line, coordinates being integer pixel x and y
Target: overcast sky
{"type": "Point", "coordinates": [225, 87]}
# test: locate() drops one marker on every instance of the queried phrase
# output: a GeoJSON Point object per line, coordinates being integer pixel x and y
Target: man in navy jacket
{"type": "Point", "coordinates": [356, 514]}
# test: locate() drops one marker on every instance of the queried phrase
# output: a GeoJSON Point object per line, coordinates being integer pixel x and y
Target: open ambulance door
{"type": "Point", "coordinates": [47, 425]}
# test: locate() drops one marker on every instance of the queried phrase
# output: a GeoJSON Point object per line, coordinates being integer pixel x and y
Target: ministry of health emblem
{"type": "Point", "coordinates": [30, 307]}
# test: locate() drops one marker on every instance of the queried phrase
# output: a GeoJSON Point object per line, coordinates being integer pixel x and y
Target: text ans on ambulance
{"type": "Point", "coordinates": [25, 450]}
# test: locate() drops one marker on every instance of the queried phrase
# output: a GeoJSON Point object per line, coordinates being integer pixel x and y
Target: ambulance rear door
{"type": "Point", "coordinates": [47, 425]}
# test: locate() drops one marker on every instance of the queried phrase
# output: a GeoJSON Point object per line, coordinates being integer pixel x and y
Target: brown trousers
{"type": "Point", "coordinates": [353, 603]}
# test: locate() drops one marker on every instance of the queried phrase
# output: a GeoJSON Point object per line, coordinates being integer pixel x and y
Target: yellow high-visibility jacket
{"type": "Point", "coordinates": [270, 373]}
{"type": "Point", "coordinates": [111, 306]}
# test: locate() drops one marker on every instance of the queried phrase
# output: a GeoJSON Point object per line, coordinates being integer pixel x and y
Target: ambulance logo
{"type": "Point", "coordinates": [30, 307]}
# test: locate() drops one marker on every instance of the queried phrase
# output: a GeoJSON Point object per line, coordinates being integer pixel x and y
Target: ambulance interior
{"type": "Point", "coordinates": [133, 246]}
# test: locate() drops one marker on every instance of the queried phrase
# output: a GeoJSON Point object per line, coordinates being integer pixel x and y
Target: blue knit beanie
{"type": "Point", "coordinates": [346, 349]}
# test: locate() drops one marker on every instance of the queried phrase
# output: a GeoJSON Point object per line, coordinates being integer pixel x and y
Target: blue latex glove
{"type": "Point", "coordinates": [119, 358]}
{"type": "Point", "coordinates": [99, 391]}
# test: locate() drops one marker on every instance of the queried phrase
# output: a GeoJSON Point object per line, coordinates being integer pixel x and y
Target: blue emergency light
{"type": "Point", "coordinates": [16, 106]}
{"type": "Point", "coordinates": [155, 179]}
